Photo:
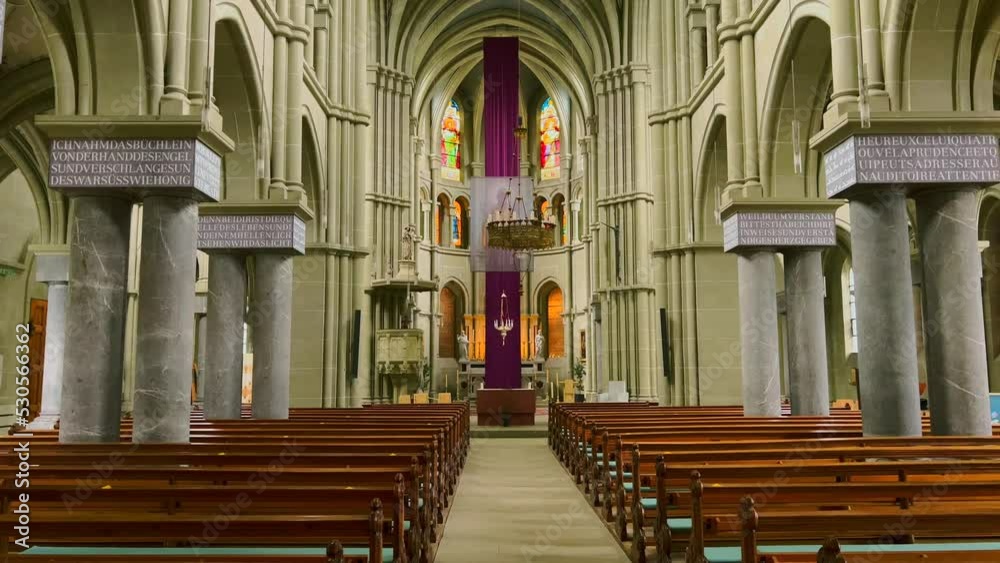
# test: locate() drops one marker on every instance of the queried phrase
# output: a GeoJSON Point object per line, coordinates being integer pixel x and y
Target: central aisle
{"type": "Point", "coordinates": [516, 504]}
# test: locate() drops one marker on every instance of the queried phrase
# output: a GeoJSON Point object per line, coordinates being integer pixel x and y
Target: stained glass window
{"type": "Point", "coordinates": [549, 133]}
{"type": "Point", "coordinates": [456, 225]}
{"type": "Point", "coordinates": [451, 142]}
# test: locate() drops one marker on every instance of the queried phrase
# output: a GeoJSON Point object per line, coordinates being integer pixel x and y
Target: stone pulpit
{"type": "Point", "coordinates": [400, 357]}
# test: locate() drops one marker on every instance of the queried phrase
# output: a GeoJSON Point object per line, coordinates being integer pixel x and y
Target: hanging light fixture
{"type": "Point", "coordinates": [521, 132]}
{"type": "Point", "coordinates": [511, 227]}
{"type": "Point", "coordinates": [503, 324]}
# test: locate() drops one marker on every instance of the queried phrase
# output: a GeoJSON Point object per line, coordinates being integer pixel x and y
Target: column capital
{"type": "Point", "coordinates": [775, 224]}
{"type": "Point", "coordinates": [169, 155]}
{"type": "Point", "coordinates": [922, 149]}
{"type": "Point", "coordinates": [253, 227]}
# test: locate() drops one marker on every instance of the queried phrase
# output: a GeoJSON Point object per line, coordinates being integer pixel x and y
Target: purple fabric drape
{"type": "Point", "coordinates": [500, 72]}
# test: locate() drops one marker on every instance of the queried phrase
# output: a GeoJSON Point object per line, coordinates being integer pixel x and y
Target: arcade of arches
{"type": "Point", "coordinates": [650, 124]}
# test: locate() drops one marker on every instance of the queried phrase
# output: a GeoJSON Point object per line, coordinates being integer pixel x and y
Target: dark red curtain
{"type": "Point", "coordinates": [501, 70]}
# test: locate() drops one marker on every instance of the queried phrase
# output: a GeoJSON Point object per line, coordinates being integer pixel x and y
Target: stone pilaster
{"type": "Point", "coordinates": [52, 269]}
{"type": "Point", "coordinates": [201, 345]}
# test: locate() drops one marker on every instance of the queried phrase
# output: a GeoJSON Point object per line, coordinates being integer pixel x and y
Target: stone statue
{"type": "Point", "coordinates": [463, 347]}
{"type": "Point", "coordinates": [410, 238]}
{"type": "Point", "coordinates": [539, 347]}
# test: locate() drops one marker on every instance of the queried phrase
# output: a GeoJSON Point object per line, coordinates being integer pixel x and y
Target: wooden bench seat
{"type": "Point", "coordinates": [305, 489]}
{"type": "Point", "coordinates": [819, 476]}
{"type": "Point", "coordinates": [368, 532]}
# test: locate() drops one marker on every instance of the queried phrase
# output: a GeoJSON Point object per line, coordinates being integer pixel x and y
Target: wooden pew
{"type": "Point", "coordinates": [941, 521]}
{"type": "Point", "coordinates": [317, 495]}
{"type": "Point", "coordinates": [370, 531]}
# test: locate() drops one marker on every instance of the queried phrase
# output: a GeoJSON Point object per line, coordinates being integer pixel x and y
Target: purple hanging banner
{"type": "Point", "coordinates": [501, 69]}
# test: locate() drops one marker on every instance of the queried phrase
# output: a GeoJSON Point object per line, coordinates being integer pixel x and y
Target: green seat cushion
{"type": "Point", "coordinates": [648, 503]}
{"type": "Point", "coordinates": [679, 524]}
{"type": "Point", "coordinates": [732, 554]}
{"type": "Point", "coordinates": [890, 548]}
{"type": "Point", "coordinates": [629, 487]}
{"type": "Point", "coordinates": [723, 554]}
{"type": "Point", "coordinates": [197, 551]}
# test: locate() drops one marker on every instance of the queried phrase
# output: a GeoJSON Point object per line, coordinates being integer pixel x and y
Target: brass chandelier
{"type": "Point", "coordinates": [511, 227]}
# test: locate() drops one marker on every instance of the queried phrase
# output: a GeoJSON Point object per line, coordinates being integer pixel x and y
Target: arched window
{"type": "Point", "coordinates": [549, 134]}
{"type": "Point", "coordinates": [554, 323]}
{"type": "Point", "coordinates": [441, 226]}
{"type": "Point", "coordinates": [457, 224]}
{"type": "Point", "coordinates": [451, 142]}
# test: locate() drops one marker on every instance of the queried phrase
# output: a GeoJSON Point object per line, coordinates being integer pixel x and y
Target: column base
{"type": "Point", "coordinates": [43, 422]}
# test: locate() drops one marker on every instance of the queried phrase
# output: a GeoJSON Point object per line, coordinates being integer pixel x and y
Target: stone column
{"type": "Point", "coordinates": [800, 229]}
{"type": "Point", "coordinates": [175, 97]}
{"type": "Point", "coordinates": [759, 333]}
{"type": "Point", "coordinates": [227, 292]}
{"type": "Point", "coordinates": [887, 356]}
{"type": "Point", "coordinates": [201, 336]}
{"type": "Point", "coordinates": [869, 165]}
{"type": "Point", "coordinates": [272, 232]}
{"type": "Point", "coordinates": [712, 28]}
{"type": "Point", "coordinates": [957, 379]}
{"type": "Point", "coordinates": [698, 66]}
{"type": "Point", "coordinates": [844, 57]}
{"type": "Point", "coordinates": [165, 348]}
{"type": "Point", "coordinates": [95, 323]}
{"type": "Point", "coordinates": [99, 263]}
{"type": "Point", "coordinates": [809, 386]}
{"type": "Point", "coordinates": [53, 270]}
{"type": "Point", "coordinates": [271, 318]}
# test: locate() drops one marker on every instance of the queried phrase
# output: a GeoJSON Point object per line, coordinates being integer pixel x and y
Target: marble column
{"type": "Point", "coordinates": [271, 318]}
{"type": "Point", "coordinates": [759, 333]}
{"type": "Point", "coordinates": [52, 270]}
{"type": "Point", "coordinates": [95, 323]}
{"type": "Point", "coordinates": [887, 356]}
{"type": "Point", "coordinates": [227, 290]}
{"type": "Point", "coordinates": [165, 341]}
{"type": "Point", "coordinates": [809, 386]}
{"type": "Point", "coordinates": [957, 379]}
